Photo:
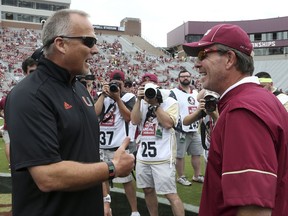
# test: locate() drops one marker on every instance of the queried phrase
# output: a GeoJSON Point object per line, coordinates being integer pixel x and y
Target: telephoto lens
{"type": "Point", "coordinates": [150, 90]}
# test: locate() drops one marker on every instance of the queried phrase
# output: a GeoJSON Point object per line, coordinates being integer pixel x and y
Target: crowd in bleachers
{"type": "Point", "coordinates": [18, 44]}
{"type": "Point", "coordinates": [15, 46]}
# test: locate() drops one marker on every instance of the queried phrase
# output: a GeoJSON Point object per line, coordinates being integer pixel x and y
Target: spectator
{"type": "Point", "coordinates": [155, 116]}
{"type": "Point", "coordinates": [114, 105]}
{"type": "Point", "coordinates": [29, 65]}
{"type": "Point", "coordinates": [54, 133]}
{"type": "Point", "coordinates": [266, 81]}
{"type": "Point", "coordinates": [188, 138]}
{"type": "Point", "coordinates": [246, 172]}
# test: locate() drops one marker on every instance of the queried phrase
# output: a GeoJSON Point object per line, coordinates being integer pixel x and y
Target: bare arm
{"type": "Point", "coordinates": [99, 104]}
{"type": "Point", "coordinates": [136, 113]}
{"type": "Point", "coordinates": [124, 111]}
{"type": "Point", "coordinates": [195, 116]}
{"type": "Point", "coordinates": [100, 101]}
{"type": "Point", "coordinates": [253, 210]}
{"type": "Point", "coordinates": [72, 176]}
{"type": "Point", "coordinates": [165, 119]}
{"type": "Point", "coordinates": [106, 191]}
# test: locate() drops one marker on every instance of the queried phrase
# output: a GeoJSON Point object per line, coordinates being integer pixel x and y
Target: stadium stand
{"type": "Point", "coordinates": [132, 54]}
{"type": "Point", "coordinates": [134, 57]}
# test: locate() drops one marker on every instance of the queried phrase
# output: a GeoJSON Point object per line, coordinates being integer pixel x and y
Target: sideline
{"type": "Point", "coordinates": [187, 207]}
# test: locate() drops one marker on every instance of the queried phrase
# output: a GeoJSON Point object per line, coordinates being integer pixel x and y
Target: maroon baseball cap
{"type": "Point", "coordinates": [227, 34]}
{"type": "Point", "coordinates": [117, 75]}
{"type": "Point", "coordinates": [149, 77]}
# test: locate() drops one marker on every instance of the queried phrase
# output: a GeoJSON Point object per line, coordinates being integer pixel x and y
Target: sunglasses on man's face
{"type": "Point", "coordinates": [87, 41]}
{"type": "Point", "coordinates": [203, 53]}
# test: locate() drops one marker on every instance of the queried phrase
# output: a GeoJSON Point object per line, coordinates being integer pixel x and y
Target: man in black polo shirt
{"type": "Point", "coordinates": [54, 130]}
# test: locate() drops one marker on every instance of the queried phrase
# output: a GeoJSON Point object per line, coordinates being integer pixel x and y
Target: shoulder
{"type": "Point", "coordinates": [170, 101]}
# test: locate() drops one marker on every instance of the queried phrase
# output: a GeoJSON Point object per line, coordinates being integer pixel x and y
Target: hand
{"type": "Point", "coordinates": [114, 95]}
{"type": "Point", "coordinates": [107, 209]}
{"type": "Point", "coordinates": [152, 101]}
{"type": "Point", "coordinates": [123, 162]}
{"type": "Point", "coordinates": [105, 88]}
{"type": "Point", "coordinates": [201, 105]}
{"type": "Point", "coordinates": [140, 92]}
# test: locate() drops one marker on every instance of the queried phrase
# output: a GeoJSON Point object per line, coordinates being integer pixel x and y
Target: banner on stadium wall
{"type": "Point", "coordinates": [278, 43]}
{"type": "Point", "coordinates": [109, 28]}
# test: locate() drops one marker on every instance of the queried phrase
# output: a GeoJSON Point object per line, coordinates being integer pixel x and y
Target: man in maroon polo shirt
{"type": "Point", "coordinates": [247, 168]}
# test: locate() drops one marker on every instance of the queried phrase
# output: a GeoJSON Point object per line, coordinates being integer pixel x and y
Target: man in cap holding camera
{"type": "Point", "coordinates": [188, 138]}
{"type": "Point", "coordinates": [156, 115]}
{"type": "Point", "coordinates": [208, 113]}
{"type": "Point", "coordinates": [246, 173]}
{"type": "Point", "coordinates": [114, 108]}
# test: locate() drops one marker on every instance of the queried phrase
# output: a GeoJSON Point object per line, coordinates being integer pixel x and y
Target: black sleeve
{"type": "Point", "coordinates": [172, 94]}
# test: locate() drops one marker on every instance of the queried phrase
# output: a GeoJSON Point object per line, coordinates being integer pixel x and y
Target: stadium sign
{"type": "Point", "coordinates": [264, 44]}
{"type": "Point", "coordinates": [110, 28]}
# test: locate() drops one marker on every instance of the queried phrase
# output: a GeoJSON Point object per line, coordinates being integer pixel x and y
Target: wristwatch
{"type": "Point", "coordinates": [107, 199]}
{"type": "Point", "coordinates": [111, 169]}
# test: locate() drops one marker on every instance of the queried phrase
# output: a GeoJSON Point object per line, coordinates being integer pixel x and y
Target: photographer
{"type": "Point", "coordinates": [188, 138]}
{"type": "Point", "coordinates": [207, 113]}
{"type": "Point", "coordinates": [156, 116]}
{"type": "Point", "coordinates": [114, 107]}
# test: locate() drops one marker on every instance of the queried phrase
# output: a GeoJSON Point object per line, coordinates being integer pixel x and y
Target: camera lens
{"type": "Point", "coordinates": [210, 104]}
{"type": "Point", "coordinates": [150, 93]}
{"type": "Point", "coordinates": [113, 87]}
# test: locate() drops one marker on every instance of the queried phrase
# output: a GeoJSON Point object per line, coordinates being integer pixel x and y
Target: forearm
{"type": "Point", "coordinates": [189, 119]}
{"type": "Point", "coordinates": [69, 175]}
{"type": "Point", "coordinates": [136, 113]}
{"type": "Point", "coordinates": [164, 118]}
{"type": "Point", "coordinates": [99, 104]}
{"type": "Point", "coordinates": [124, 111]}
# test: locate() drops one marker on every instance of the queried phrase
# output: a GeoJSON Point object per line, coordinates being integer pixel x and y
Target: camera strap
{"type": "Point", "coordinates": [203, 135]}
{"type": "Point", "coordinates": [107, 111]}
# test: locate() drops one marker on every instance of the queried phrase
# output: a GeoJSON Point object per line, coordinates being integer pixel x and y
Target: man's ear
{"type": "Point", "coordinates": [60, 44]}
{"type": "Point", "coordinates": [231, 59]}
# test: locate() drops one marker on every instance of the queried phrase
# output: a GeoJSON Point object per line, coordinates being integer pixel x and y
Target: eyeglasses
{"type": "Point", "coordinates": [87, 41]}
{"type": "Point", "coordinates": [185, 76]}
{"type": "Point", "coordinates": [203, 53]}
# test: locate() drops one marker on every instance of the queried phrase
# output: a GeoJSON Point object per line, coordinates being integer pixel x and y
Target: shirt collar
{"type": "Point", "coordinates": [249, 79]}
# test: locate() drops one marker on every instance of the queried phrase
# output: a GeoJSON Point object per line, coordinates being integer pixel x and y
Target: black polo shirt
{"type": "Point", "coordinates": [51, 119]}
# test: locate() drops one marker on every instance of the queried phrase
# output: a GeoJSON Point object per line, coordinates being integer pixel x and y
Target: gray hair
{"type": "Point", "coordinates": [245, 63]}
{"type": "Point", "coordinates": [58, 24]}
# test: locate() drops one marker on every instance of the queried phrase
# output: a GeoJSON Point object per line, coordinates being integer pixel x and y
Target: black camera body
{"type": "Point", "coordinates": [113, 87]}
{"type": "Point", "coordinates": [211, 104]}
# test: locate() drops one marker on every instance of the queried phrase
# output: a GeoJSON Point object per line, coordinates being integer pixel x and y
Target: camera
{"type": "Point", "coordinates": [151, 91]}
{"type": "Point", "coordinates": [113, 87]}
{"type": "Point", "coordinates": [210, 103]}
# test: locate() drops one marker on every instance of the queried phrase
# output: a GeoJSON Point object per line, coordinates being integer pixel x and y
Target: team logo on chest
{"type": "Point", "coordinates": [191, 100]}
{"type": "Point", "coordinates": [149, 129]}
